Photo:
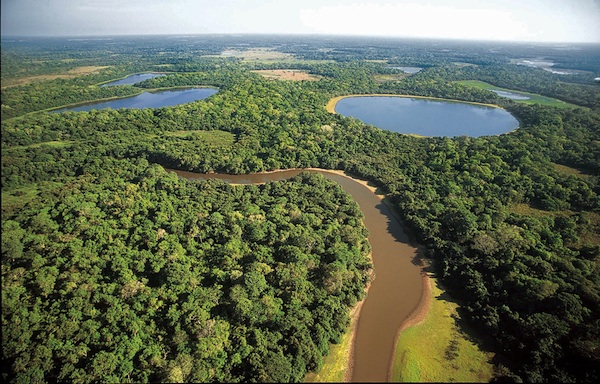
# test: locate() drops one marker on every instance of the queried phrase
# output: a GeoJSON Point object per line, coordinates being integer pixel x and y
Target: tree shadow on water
{"type": "Point", "coordinates": [402, 234]}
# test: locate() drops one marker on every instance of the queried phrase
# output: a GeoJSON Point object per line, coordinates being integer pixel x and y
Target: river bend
{"type": "Point", "coordinates": [397, 288]}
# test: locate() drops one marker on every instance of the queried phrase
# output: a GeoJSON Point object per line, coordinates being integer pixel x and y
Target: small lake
{"type": "Point", "coordinates": [427, 117]}
{"type": "Point", "coordinates": [510, 95]}
{"type": "Point", "coordinates": [130, 80]}
{"type": "Point", "coordinates": [410, 70]}
{"type": "Point", "coordinates": [149, 100]}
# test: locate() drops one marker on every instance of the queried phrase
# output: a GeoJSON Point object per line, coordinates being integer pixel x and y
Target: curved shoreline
{"type": "Point", "coordinates": [115, 98]}
{"type": "Point", "coordinates": [330, 106]}
{"type": "Point", "coordinates": [416, 315]}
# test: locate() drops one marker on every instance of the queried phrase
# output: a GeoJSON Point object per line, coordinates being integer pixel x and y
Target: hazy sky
{"type": "Point", "coordinates": [522, 20]}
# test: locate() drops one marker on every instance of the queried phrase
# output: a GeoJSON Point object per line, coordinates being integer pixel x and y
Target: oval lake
{"type": "Point", "coordinates": [149, 100]}
{"type": "Point", "coordinates": [427, 117]}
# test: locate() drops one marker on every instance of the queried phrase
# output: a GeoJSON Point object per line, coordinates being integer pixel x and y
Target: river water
{"type": "Point", "coordinates": [397, 288]}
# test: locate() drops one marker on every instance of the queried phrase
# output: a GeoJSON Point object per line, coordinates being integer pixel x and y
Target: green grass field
{"type": "Point", "coordinates": [437, 350]}
{"type": "Point", "coordinates": [15, 199]}
{"type": "Point", "coordinates": [335, 364]}
{"type": "Point", "coordinates": [211, 138]}
{"type": "Point", "coordinates": [533, 97]}
{"type": "Point", "coordinates": [53, 144]}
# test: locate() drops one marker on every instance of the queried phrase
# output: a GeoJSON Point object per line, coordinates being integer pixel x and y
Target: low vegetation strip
{"type": "Point", "coordinates": [78, 71]}
{"type": "Point", "coordinates": [436, 350]}
{"type": "Point", "coordinates": [534, 98]}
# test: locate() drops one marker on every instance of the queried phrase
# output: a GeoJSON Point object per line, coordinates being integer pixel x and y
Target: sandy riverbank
{"type": "Point", "coordinates": [345, 361]}
{"type": "Point", "coordinates": [418, 314]}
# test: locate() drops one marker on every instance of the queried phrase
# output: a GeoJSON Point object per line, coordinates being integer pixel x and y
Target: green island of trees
{"type": "Point", "coordinates": [115, 270]}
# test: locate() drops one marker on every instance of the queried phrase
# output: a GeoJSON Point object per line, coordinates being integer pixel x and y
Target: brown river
{"type": "Point", "coordinates": [397, 288]}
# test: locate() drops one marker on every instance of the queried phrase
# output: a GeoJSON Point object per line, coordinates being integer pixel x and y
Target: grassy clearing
{"type": "Point", "coordinates": [589, 236]}
{"type": "Point", "coordinates": [335, 364]}
{"type": "Point", "coordinates": [527, 210]}
{"type": "Point", "coordinates": [210, 138]}
{"type": "Point", "coordinates": [287, 74]}
{"type": "Point", "coordinates": [264, 55]}
{"type": "Point", "coordinates": [534, 98]}
{"type": "Point", "coordinates": [53, 144]}
{"type": "Point", "coordinates": [17, 198]}
{"type": "Point", "coordinates": [260, 54]}
{"type": "Point", "coordinates": [78, 71]}
{"type": "Point", "coordinates": [565, 170]}
{"type": "Point", "coordinates": [437, 350]}
{"type": "Point", "coordinates": [388, 77]}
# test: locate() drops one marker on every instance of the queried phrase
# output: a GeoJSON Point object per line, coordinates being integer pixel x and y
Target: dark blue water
{"type": "Point", "coordinates": [150, 100]}
{"type": "Point", "coordinates": [130, 80]}
{"type": "Point", "coordinates": [427, 117]}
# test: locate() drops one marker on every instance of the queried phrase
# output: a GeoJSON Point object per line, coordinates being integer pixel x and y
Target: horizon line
{"type": "Point", "coordinates": [288, 34]}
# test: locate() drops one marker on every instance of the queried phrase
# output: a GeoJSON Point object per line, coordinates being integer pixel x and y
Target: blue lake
{"type": "Point", "coordinates": [149, 100]}
{"type": "Point", "coordinates": [427, 117]}
{"type": "Point", "coordinates": [130, 80]}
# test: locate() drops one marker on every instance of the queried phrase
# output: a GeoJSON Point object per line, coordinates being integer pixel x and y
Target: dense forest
{"type": "Point", "coordinates": [114, 269]}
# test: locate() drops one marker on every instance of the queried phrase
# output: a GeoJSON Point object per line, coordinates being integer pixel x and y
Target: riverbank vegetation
{"type": "Point", "coordinates": [114, 269]}
{"type": "Point", "coordinates": [134, 273]}
{"type": "Point", "coordinates": [439, 348]}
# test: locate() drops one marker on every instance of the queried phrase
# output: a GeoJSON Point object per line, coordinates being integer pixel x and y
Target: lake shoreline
{"type": "Point", "coordinates": [70, 107]}
{"type": "Point", "coordinates": [330, 106]}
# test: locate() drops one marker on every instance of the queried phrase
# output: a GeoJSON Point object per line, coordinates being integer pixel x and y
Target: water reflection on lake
{"type": "Point", "coordinates": [510, 95]}
{"type": "Point", "coordinates": [427, 117]}
{"type": "Point", "coordinates": [132, 79]}
{"type": "Point", "coordinates": [410, 70]}
{"type": "Point", "coordinates": [150, 100]}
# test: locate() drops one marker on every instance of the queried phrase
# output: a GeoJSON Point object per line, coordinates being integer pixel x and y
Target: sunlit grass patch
{"type": "Point", "coordinates": [15, 199]}
{"type": "Point", "coordinates": [214, 138]}
{"type": "Point", "coordinates": [437, 350]}
{"type": "Point", "coordinates": [590, 232]}
{"type": "Point", "coordinates": [287, 74]}
{"type": "Point", "coordinates": [534, 98]}
{"type": "Point", "coordinates": [72, 73]}
{"type": "Point", "coordinates": [335, 364]}
{"type": "Point", "coordinates": [382, 78]}
{"type": "Point", "coordinates": [257, 54]}
{"type": "Point", "coordinates": [566, 170]}
{"type": "Point", "coordinates": [53, 144]}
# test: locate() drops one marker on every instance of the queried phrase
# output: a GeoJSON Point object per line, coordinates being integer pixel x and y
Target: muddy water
{"type": "Point", "coordinates": [394, 293]}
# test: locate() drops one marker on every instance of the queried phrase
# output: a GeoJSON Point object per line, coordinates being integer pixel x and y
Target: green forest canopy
{"type": "Point", "coordinates": [112, 268]}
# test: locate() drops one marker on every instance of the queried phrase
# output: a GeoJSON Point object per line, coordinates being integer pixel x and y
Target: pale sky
{"type": "Point", "coordinates": [515, 20]}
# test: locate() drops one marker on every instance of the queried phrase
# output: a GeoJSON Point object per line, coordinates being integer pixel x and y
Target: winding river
{"type": "Point", "coordinates": [397, 288]}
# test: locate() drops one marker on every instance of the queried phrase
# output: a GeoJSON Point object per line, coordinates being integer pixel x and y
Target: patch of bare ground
{"type": "Point", "coordinates": [287, 74]}
{"type": "Point", "coordinates": [256, 54]}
